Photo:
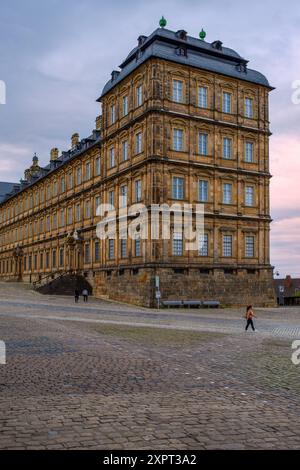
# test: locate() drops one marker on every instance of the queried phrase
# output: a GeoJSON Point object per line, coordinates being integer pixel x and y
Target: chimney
{"type": "Point", "coordinates": [99, 123]}
{"type": "Point", "coordinates": [54, 154]}
{"type": "Point", "coordinates": [74, 140]}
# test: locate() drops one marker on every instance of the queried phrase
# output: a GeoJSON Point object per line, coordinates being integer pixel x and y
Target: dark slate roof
{"type": "Point", "coordinates": [163, 43]}
{"type": "Point", "coordinates": [66, 156]}
{"type": "Point", "coordinates": [6, 188]}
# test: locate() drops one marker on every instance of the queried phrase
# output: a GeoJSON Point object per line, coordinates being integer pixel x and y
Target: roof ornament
{"type": "Point", "coordinates": [163, 22]}
{"type": "Point", "coordinates": [202, 34]}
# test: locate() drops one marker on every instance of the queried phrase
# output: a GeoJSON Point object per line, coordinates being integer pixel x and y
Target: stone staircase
{"type": "Point", "coordinates": [65, 284]}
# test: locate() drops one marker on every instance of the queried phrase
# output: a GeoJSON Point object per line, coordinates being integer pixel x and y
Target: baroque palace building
{"type": "Point", "coordinates": [183, 120]}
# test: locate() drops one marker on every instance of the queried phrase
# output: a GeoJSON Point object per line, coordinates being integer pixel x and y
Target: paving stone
{"type": "Point", "coordinates": [69, 383]}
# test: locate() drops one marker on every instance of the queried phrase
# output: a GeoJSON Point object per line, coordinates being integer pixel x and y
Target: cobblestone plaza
{"type": "Point", "coordinates": [111, 376]}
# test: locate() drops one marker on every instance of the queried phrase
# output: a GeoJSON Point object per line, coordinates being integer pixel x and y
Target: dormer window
{"type": "Point", "coordinates": [181, 34]}
{"type": "Point", "coordinates": [114, 75]}
{"type": "Point", "coordinates": [141, 40]}
{"type": "Point", "coordinates": [139, 54]}
{"type": "Point", "coordinates": [241, 67]}
{"type": "Point", "coordinates": [217, 45]}
{"type": "Point", "coordinates": [181, 51]}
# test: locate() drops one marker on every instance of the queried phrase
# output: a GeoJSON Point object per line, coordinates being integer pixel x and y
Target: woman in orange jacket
{"type": "Point", "coordinates": [249, 317]}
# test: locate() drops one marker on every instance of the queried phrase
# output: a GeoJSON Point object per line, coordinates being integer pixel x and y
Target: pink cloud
{"type": "Point", "coordinates": [285, 168]}
{"type": "Point", "coordinates": [285, 204]}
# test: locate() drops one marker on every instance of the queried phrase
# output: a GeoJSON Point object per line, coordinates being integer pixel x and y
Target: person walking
{"type": "Point", "coordinates": [249, 317]}
{"type": "Point", "coordinates": [76, 295]}
{"type": "Point", "coordinates": [85, 295]}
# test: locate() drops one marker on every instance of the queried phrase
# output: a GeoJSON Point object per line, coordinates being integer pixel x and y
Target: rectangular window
{"type": "Point", "coordinates": [54, 220]}
{"type": "Point", "coordinates": [137, 247]}
{"type": "Point", "coordinates": [112, 157]}
{"type": "Point", "coordinates": [138, 143]}
{"type": "Point", "coordinates": [41, 260]}
{"type": "Point", "coordinates": [177, 91]}
{"type": "Point", "coordinates": [139, 96]}
{"type": "Point", "coordinates": [249, 152]}
{"type": "Point", "coordinates": [125, 105]}
{"type": "Point", "coordinates": [178, 140]}
{"type": "Point", "coordinates": [227, 148]}
{"type": "Point", "coordinates": [111, 249]}
{"type": "Point", "coordinates": [55, 189]}
{"type": "Point", "coordinates": [70, 181]}
{"type": "Point", "coordinates": [61, 257]}
{"type": "Point", "coordinates": [78, 175]}
{"type": "Point", "coordinates": [123, 248]}
{"type": "Point", "coordinates": [203, 191]}
{"type": "Point", "coordinates": [123, 196]}
{"type": "Point", "coordinates": [226, 104]}
{"type": "Point", "coordinates": [87, 171]}
{"type": "Point", "coordinates": [87, 209]}
{"type": "Point", "coordinates": [203, 139]}
{"type": "Point", "coordinates": [97, 251]}
{"type": "Point", "coordinates": [125, 150]}
{"type": "Point", "coordinates": [112, 114]}
{"type": "Point", "coordinates": [48, 223]}
{"type": "Point", "coordinates": [177, 244]}
{"type": "Point", "coordinates": [97, 202]}
{"type": "Point", "coordinates": [227, 193]}
{"type": "Point", "coordinates": [70, 215]}
{"type": "Point", "coordinates": [62, 218]}
{"type": "Point", "coordinates": [111, 198]}
{"type": "Point", "coordinates": [249, 196]}
{"type": "Point", "coordinates": [202, 97]}
{"type": "Point", "coordinates": [87, 253]}
{"type": "Point", "coordinates": [203, 245]}
{"type": "Point", "coordinates": [249, 246]}
{"type": "Point", "coordinates": [249, 108]}
{"type": "Point", "coordinates": [138, 190]}
{"type": "Point", "coordinates": [53, 258]}
{"type": "Point", "coordinates": [227, 245]}
{"type": "Point", "coordinates": [47, 260]}
{"type": "Point", "coordinates": [78, 213]}
{"type": "Point", "coordinates": [98, 166]}
{"type": "Point", "coordinates": [178, 188]}
{"type": "Point", "coordinates": [62, 185]}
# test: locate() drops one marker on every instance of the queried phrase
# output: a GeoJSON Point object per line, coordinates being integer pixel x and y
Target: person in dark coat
{"type": "Point", "coordinates": [76, 294]}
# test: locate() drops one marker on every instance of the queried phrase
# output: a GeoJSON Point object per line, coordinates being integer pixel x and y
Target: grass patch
{"type": "Point", "coordinates": [154, 336]}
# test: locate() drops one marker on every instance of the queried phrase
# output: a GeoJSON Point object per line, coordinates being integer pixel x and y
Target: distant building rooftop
{"type": "Point", "coordinates": [288, 287]}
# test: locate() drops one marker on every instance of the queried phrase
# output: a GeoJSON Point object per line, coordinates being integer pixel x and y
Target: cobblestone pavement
{"type": "Point", "coordinates": [112, 376]}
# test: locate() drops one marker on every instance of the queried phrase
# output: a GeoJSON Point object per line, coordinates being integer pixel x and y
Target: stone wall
{"type": "Point", "coordinates": [231, 289]}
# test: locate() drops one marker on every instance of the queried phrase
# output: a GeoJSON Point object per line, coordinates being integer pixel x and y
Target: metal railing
{"type": "Point", "coordinates": [51, 277]}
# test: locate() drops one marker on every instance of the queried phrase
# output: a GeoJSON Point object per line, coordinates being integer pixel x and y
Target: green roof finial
{"type": "Point", "coordinates": [163, 22]}
{"type": "Point", "coordinates": [202, 34]}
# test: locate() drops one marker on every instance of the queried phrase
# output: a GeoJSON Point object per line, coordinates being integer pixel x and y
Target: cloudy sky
{"type": "Point", "coordinates": [55, 56]}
